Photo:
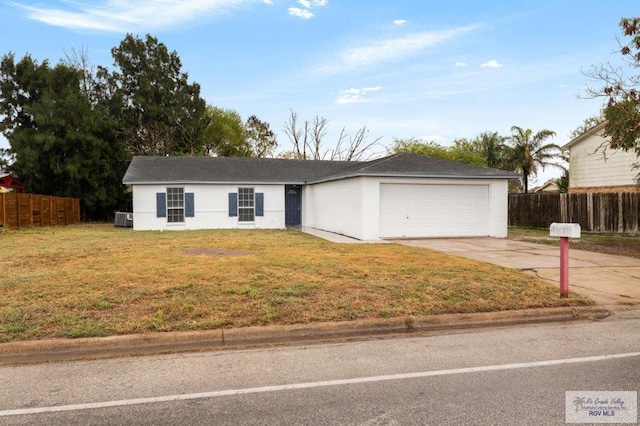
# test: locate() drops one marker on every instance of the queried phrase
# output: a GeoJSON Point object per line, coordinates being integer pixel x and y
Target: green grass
{"type": "Point", "coordinates": [98, 280]}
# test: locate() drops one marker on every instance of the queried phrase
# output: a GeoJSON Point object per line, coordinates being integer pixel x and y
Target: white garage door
{"type": "Point", "coordinates": [434, 210]}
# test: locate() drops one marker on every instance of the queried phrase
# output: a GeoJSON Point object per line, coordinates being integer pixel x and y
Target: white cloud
{"type": "Point", "coordinates": [461, 64]}
{"type": "Point", "coordinates": [351, 96]}
{"type": "Point", "coordinates": [390, 49]}
{"type": "Point", "coordinates": [307, 4]}
{"type": "Point", "coordinates": [267, 1]}
{"type": "Point", "coordinates": [445, 93]}
{"type": "Point", "coordinates": [128, 15]}
{"type": "Point", "coordinates": [492, 64]}
{"type": "Point", "coordinates": [399, 22]}
{"type": "Point", "coordinates": [301, 13]}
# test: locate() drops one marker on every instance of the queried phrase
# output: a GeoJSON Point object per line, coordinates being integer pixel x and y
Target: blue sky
{"type": "Point", "coordinates": [414, 68]}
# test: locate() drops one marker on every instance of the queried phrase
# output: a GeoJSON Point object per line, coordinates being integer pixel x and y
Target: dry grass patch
{"type": "Point", "coordinates": [616, 244]}
{"type": "Point", "coordinates": [98, 280]}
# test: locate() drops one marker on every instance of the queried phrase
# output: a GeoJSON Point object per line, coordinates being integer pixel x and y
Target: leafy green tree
{"type": "Point", "coordinates": [225, 134]}
{"type": "Point", "coordinates": [62, 143]}
{"type": "Point", "coordinates": [495, 150]}
{"type": "Point", "coordinates": [161, 113]}
{"type": "Point", "coordinates": [259, 135]}
{"type": "Point", "coordinates": [620, 92]}
{"type": "Point", "coordinates": [563, 182]}
{"type": "Point", "coordinates": [586, 125]}
{"type": "Point", "coordinates": [6, 158]}
{"type": "Point", "coordinates": [459, 152]}
{"type": "Point", "coordinates": [529, 152]}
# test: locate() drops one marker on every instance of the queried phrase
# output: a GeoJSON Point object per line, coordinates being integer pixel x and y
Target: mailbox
{"type": "Point", "coordinates": [567, 230]}
{"type": "Point", "coordinates": [564, 231]}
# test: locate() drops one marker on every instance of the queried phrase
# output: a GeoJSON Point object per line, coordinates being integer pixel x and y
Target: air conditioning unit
{"type": "Point", "coordinates": [124, 219]}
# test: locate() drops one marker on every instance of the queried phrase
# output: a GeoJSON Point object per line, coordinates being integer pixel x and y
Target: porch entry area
{"type": "Point", "coordinates": [293, 205]}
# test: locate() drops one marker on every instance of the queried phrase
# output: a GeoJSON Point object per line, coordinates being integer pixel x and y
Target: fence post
{"type": "Point", "coordinates": [620, 214]}
{"type": "Point", "coordinates": [31, 210]}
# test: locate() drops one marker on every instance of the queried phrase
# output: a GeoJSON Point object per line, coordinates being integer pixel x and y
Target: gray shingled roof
{"type": "Point", "coordinates": [150, 170]}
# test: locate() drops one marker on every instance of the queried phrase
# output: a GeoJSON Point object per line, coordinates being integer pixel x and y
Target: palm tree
{"type": "Point", "coordinates": [529, 153]}
{"type": "Point", "coordinates": [494, 149]}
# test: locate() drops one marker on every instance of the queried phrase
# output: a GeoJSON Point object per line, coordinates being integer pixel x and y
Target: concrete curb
{"type": "Point", "coordinates": [37, 351]}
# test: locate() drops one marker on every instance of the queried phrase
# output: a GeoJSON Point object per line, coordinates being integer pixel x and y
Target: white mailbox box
{"type": "Point", "coordinates": [569, 230]}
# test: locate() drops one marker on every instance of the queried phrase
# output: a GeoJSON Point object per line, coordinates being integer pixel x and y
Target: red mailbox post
{"type": "Point", "coordinates": [564, 231]}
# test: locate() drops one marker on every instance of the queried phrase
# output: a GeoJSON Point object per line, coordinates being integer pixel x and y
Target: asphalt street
{"type": "Point", "coordinates": [509, 375]}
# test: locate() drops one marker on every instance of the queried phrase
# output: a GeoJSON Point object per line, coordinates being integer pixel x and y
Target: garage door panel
{"type": "Point", "coordinates": [418, 210]}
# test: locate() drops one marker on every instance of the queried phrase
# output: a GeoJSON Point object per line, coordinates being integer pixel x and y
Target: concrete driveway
{"type": "Point", "coordinates": [607, 279]}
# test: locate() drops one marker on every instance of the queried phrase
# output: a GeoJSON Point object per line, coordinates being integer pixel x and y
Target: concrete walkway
{"type": "Point", "coordinates": [607, 279]}
{"type": "Point", "coordinates": [333, 237]}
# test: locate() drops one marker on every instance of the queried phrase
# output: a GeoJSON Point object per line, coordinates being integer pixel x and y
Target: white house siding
{"type": "Point", "coordinates": [334, 206]}
{"type": "Point", "coordinates": [459, 207]}
{"type": "Point", "coordinates": [211, 210]}
{"type": "Point", "coordinates": [589, 169]}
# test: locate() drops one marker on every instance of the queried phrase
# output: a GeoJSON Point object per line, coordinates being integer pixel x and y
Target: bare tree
{"type": "Point", "coordinates": [297, 136]}
{"type": "Point", "coordinates": [358, 148]}
{"type": "Point", "coordinates": [308, 138]}
{"type": "Point", "coordinates": [79, 59]}
{"type": "Point", "coordinates": [318, 132]}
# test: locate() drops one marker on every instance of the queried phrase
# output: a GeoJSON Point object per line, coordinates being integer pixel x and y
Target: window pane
{"type": "Point", "coordinates": [175, 205]}
{"type": "Point", "coordinates": [245, 197]}
{"type": "Point", "coordinates": [245, 215]}
{"type": "Point", "coordinates": [175, 197]}
{"type": "Point", "coordinates": [246, 205]}
{"type": "Point", "coordinates": [175, 215]}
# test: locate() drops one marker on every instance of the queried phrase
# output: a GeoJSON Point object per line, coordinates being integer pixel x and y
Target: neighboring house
{"type": "Point", "coordinates": [594, 167]}
{"type": "Point", "coordinates": [403, 195]}
{"type": "Point", "coordinates": [8, 183]}
{"type": "Point", "coordinates": [549, 186]}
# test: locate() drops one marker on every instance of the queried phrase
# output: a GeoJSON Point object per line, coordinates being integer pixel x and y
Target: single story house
{"type": "Point", "coordinates": [399, 196]}
{"type": "Point", "coordinates": [549, 186]}
{"type": "Point", "coordinates": [594, 167]}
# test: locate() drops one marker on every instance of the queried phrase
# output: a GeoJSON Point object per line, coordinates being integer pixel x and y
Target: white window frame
{"type": "Point", "coordinates": [175, 204]}
{"type": "Point", "coordinates": [246, 205]}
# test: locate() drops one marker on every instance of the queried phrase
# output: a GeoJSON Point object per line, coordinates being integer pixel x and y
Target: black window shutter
{"type": "Point", "coordinates": [161, 204]}
{"type": "Point", "coordinates": [259, 204]}
{"type": "Point", "coordinates": [189, 205]}
{"type": "Point", "coordinates": [233, 204]}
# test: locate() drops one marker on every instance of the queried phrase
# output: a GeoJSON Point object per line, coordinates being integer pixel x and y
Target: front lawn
{"type": "Point", "coordinates": [98, 280]}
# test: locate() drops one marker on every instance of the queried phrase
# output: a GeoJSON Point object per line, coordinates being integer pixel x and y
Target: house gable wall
{"type": "Point", "coordinates": [211, 207]}
{"type": "Point", "coordinates": [334, 206]}
{"type": "Point", "coordinates": [589, 169]}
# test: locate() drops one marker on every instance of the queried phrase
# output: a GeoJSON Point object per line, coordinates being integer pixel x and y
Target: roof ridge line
{"type": "Point", "coordinates": [379, 160]}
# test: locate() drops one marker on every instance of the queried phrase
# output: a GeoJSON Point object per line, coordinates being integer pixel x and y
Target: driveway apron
{"type": "Point", "coordinates": [607, 279]}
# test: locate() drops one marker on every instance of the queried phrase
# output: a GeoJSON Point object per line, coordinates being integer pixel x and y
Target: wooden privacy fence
{"type": "Point", "coordinates": [25, 210]}
{"type": "Point", "coordinates": [595, 212]}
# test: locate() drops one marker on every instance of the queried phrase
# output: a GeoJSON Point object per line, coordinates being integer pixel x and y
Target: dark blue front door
{"type": "Point", "coordinates": [292, 205]}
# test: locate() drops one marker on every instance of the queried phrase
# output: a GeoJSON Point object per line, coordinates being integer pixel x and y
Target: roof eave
{"type": "Point", "coordinates": [414, 175]}
{"type": "Point", "coordinates": [593, 131]}
{"type": "Point", "coordinates": [191, 182]}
